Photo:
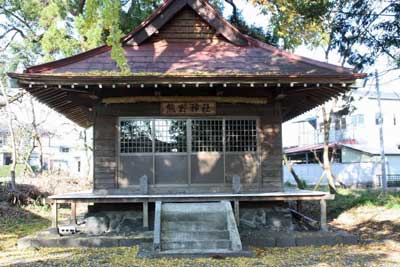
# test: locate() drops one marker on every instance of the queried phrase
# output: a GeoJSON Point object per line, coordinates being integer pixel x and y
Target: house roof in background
{"type": "Point", "coordinates": [375, 150]}
{"type": "Point", "coordinates": [371, 94]}
{"type": "Point", "coordinates": [307, 148]}
{"type": "Point", "coordinates": [370, 149]}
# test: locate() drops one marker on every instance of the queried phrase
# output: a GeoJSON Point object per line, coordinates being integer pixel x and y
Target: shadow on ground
{"type": "Point", "coordinates": [17, 222]}
{"type": "Point", "coordinates": [373, 229]}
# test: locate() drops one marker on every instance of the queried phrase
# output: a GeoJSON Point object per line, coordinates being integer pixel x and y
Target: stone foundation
{"type": "Point", "coordinates": [270, 219]}
{"type": "Point", "coordinates": [259, 226]}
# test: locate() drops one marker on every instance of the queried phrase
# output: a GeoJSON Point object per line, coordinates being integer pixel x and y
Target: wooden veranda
{"type": "Point", "coordinates": [120, 197]}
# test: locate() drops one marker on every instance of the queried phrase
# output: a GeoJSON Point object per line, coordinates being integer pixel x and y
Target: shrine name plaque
{"type": "Point", "coordinates": [188, 108]}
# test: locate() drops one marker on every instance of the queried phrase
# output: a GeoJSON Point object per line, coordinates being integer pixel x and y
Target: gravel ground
{"type": "Point", "coordinates": [379, 254]}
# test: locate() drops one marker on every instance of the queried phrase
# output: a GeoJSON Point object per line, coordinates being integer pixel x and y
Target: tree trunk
{"type": "Point", "coordinates": [36, 135]}
{"type": "Point", "coordinates": [299, 182]}
{"type": "Point", "coordinates": [12, 136]}
{"type": "Point", "coordinates": [327, 118]}
{"type": "Point", "coordinates": [235, 17]}
{"type": "Point", "coordinates": [87, 154]}
{"type": "Point", "coordinates": [26, 159]}
{"type": "Point", "coordinates": [40, 155]}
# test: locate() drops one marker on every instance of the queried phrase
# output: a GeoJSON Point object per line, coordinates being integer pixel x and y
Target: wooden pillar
{"type": "Point", "coordinates": [236, 209]}
{"type": "Point", "coordinates": [324, 226]}
{"type": "Point", "coordinates": [145, 214]}
{"type": "Point", "coordinates": [73, 212]}
{"type": "Point", "coordinates": [54, 222]}
{"type": "Point", "coordinates": [299, 205]}
{"type": "Point", "coordinates": [144, 189]}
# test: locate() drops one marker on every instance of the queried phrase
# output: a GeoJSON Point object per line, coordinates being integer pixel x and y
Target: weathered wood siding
{"type": "Point", "coordinates": [186, 27]}
{"type": "Point", "coordinates": [105, 159]}
{"type": "Point", "coordinates": [270, 137]}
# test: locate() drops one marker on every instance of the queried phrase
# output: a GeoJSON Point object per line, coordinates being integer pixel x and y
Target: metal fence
{"type": "Point", "coordinates": [393, 180]}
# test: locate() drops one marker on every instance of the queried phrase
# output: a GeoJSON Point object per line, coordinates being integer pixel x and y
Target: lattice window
{"type": "Point", "coordinates": [207, 136]}
{"type": "Point", "coordinates": [136, 136]}
{"type": "Point", "coordinates": [170, 136]}
{"type": "Point", "coordinates": [241, 135]}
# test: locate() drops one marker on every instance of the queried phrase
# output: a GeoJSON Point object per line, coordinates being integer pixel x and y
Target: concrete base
{"type": "Point", "coordinates": [50, 239]}
{"type": "Point", "coordinates": [145, 239]}
{"type": "Point", "coordinates": [294, 238]}
{"type": "Point", "coordinates": [146, 251]}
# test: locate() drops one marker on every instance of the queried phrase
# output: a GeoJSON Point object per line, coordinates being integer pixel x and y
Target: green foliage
{"type": "Point", "coordinates": [111, 24]}
{"type": "Point", "coordinates": [362, 30]}
{"type": "Point", "coordinates": [296, 22]}
{"type": "Point", "coordinates": [57, 38]}
{"type": "Point", "coordinates": [135, 12]}
{"type": "Point", "coordinates": [253, 31]}
{"type": "Point", "coordinates": [100, 23]}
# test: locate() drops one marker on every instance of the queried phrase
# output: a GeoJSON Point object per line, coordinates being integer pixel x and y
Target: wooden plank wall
{"type": "Point", "coordinates": [105, 164]}
{"type": "Point", "coordinates": [105, 136]}
{"type": "Point", "coordinates": [186, 26]}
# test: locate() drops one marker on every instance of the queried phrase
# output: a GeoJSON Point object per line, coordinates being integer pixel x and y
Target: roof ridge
{"type": "Point", "coordinates": [157, 11]}
{"type": "Point", "coordinates": [171, 7]}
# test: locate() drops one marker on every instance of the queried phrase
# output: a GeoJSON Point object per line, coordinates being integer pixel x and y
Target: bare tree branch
{"type": "Point", "coordinates": [235, 17]}
{"type": "Point", "coordinates": [12, 99]}
{"type": "Point", "coordinates": [17, 17]}
{"type": "Point", "coordinates": [317, 159]}
{"type": "Point", "coordinates": [8, 43]}
{"type": "Point", "coordinates": [299, 182]}
{"type": "Point", "coordinates": [8, 31]}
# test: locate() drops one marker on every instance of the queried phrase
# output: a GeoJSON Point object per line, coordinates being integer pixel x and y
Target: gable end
{"type": "Point", "coordinates": [171, 8]}
{"type": "Point", "coordinates": [186, 27]}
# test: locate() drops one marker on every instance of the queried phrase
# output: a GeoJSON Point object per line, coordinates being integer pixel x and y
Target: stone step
{"type": "Point", "coordinates": [185, 226]}
{"type": "Point", "coordinates": [191, 207]}
{"type": "Point", "coordinates": [195, 244]}
{"type": "Point", "coordinates": [203, 253]}
{"type": "Point", "coordinates": [212, 220]}
{"type": "Point", "coordinates": [194, 235]}
{"type": "Point", "coordinates": [193, 216]}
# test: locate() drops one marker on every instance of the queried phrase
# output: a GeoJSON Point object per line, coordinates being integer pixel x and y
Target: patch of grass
{"type": "Point", "coordinates": [17, 222]}
{"type": "Point", "coordinates": [347, 199]}
{"type": "Point", "coordinates": [5, 170]}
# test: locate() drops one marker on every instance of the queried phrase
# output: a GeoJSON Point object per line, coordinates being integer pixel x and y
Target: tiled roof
{"type": "Point", "coordinates": [191, 38]}
{"type": "Point", "coordinates": [200, 57]}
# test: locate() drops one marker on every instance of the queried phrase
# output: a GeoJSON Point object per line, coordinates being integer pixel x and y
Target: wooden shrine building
{"type": "Point", "coordinates": [204, 103]}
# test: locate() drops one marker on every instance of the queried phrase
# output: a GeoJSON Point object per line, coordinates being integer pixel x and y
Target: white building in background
{"type": "Point", "coordinates": [353, 137]}
{"type": "Point", "coordinates": [64, 152]}
{"type": "Point", "coordinates": [5, 153]}
{"type": "Point", "coordinates": [63, 142]}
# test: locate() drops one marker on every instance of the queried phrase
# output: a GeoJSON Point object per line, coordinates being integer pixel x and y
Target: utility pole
{"type": "Point", "coordinates": [380, 124]}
